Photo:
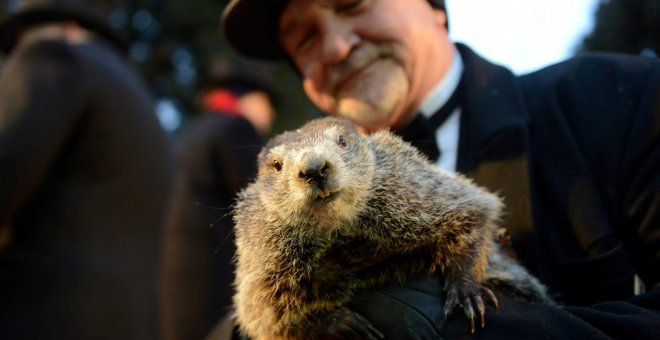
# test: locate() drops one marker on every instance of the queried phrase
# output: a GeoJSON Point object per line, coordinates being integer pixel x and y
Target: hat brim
{"type": "Point", "coordinates": [251, 27]}
{"type": "Point", "coordinates": [13, 26]}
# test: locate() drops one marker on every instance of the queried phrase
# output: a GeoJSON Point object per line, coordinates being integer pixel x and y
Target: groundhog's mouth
{"type": "Point", "coordinates": [325, 197]}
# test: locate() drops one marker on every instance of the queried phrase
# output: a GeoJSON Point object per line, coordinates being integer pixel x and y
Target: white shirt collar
{"type": "Point", "coordinates": [440, 94]}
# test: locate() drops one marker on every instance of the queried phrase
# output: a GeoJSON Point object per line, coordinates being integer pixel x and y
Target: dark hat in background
{"type": "Point", "coordinates": [239, 84]}
{"type": "Point", "coordinates": [237, 77]}
{"type": "Point", "coordinates": [22, 14]}
{"type": "Point", "coordinates": [251, 26]}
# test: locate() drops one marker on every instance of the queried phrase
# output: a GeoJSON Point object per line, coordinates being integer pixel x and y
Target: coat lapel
{"type": "Point", "coordinates": [494, 145]}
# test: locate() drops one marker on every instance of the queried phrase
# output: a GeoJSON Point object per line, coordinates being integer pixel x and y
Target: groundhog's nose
{"type": "Point", "coordinates": [314, 170]}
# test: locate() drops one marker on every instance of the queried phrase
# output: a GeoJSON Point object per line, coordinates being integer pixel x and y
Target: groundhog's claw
{"type": "Point", "coordinates": [470, 296]}
{"type": "Point", "coordinates": [491, 298]}
{"type": "Point", "coordinates": [347, 324]}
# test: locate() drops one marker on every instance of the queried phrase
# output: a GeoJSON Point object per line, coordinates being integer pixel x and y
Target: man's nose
{"type": "Point", "coordinates": [338, 40]}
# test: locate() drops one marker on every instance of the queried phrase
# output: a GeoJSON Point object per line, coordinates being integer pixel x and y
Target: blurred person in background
{"type": "Point", "coordinates": [216, 156]}
{"type": "Point", "coordinates": [85, 171]}
{"type": "Point", "coordinates": [573, 149]}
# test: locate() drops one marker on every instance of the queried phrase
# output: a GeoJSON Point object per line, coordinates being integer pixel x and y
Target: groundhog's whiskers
{"type": "Point", "coordinates": [228, 211]}
{"type": "Point", "coordinates": [248, 146]}
{"type": "Point", "coordinates": [224, 240]}
{"type": "Point", "coordinates": [208, 206]}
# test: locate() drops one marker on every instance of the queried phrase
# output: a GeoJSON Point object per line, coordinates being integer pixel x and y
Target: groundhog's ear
{"type": "Point", "coordinates": [264, 159]}
{"type": "Point", "coordinates": [262, 154]}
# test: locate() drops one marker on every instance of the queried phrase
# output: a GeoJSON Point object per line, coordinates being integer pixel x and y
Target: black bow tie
{"type": "Point", "coordinates": [420, 132]}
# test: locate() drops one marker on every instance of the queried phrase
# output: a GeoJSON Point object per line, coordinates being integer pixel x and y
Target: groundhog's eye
{"type": "Point", "coordinates": [341, 140]}
{"type": "Point", "coordinates": [277, 165]}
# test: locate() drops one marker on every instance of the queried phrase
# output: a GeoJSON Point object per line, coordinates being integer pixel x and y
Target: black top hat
{"type": "Point", "coordinates": [23, 14]}
{"type": "Point", "coordinates": [250, 26]}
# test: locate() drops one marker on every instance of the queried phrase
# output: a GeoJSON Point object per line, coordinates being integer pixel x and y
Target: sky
{"type": "Point", "coordinates": [523, 35]}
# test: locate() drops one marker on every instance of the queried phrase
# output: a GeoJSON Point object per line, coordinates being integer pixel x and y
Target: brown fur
{"type": "Point", "coordinates": [328, 215]}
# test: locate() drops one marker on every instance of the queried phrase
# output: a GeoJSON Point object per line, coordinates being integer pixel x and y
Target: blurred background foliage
{"type": "Point", "coordinates": [629, 26]}
{"type": "Point", "coordinates": [176, 44]}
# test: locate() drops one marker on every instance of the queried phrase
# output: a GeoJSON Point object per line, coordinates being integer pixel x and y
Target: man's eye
{"type": "Point", "coordinates": [348, 6]}
{"type": "Point", "coordinates": [305, 40]}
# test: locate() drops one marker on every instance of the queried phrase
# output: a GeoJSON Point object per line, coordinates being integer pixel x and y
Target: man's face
{"type": "Point", "coordinates": [372, 61]}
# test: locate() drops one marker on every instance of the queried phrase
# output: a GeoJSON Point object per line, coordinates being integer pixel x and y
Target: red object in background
{"type": "Point", "coordinates": [221, 101]}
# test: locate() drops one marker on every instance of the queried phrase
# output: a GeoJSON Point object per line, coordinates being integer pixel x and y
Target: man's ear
{"type": "Point", "coordinates": [440, 9]}
{"type": "Point", "coordinates": [441, 18]}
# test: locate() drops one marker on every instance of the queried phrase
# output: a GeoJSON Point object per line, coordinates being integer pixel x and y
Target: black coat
{"type": "Point", "coordinates": [85, 175]}
{"type": "Point", "coordinates": [216, 157]}
{"type": "Point", "coordinates": [575, 151]}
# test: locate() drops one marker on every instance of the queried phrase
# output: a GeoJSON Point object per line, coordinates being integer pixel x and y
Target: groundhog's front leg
{"type": "Point", "coordinates": [462, 288]}
{"type": "Point", "coordinates": [344, 323]}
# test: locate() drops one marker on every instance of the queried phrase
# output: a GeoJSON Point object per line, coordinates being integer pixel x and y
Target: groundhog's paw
{"type": "Point", "coordinates": [347, 324]}
{"type": "Point", "coordinates": [470, 296]}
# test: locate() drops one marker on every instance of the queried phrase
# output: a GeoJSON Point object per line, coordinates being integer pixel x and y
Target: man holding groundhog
{"type": "Point", "coordinates": [574, 149]}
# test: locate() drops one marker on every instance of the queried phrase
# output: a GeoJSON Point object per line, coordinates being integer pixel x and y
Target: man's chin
{"type": "Point", "coordinates": [374, 100]}
{"type": "Point", "coordinates": [369, 117]}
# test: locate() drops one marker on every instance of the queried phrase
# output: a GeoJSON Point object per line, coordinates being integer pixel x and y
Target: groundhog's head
{"type": "Point", "coordinates": [320, 173]}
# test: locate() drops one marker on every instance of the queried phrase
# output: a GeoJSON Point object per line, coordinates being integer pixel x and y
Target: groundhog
{"type": "Point", "coordinates": [332, 211]}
